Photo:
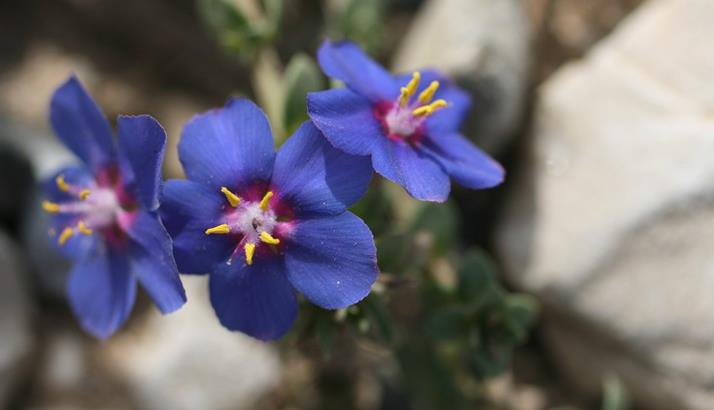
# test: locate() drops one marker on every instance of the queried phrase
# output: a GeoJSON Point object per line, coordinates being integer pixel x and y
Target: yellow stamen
{"type": "Point", "coordinates": [50, 207]}
{"type": "Point", "coordinates": [232, 198]}
{"type": "Point", "coordinates": [249, 249]}
{"type": "Point", "coordinates": [429, 109]}
{"type": "Point", "coordinates": [61, 183]}
{"type": "Point", "coordinates": [266, 200]}
{"type": "Point", "coordinates": [221, 229]}
{"type": "Point", "coordinates": [267, 238]}
{"type": "Point", "coordinates": [84, 194]}
{"type": "Point", "coordinates": [82, 228]}
{"type": "Point", "coordinates": [428, 93]}
{"type": "Point", "coordinates": [410, 89]}
{"type": "Point", "coordinates": [65, 235]}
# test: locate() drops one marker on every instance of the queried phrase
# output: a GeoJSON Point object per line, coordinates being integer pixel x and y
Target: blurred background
{"type": "Point", "coordinates": [584, 282]}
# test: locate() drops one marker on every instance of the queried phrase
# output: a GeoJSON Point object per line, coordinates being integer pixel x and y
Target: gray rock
{"type": "Point", "coordinates": [186, 360]}
{"type": "Point", "coordinates": [16, 338]}
{"type": "Point", "coordinates": [16, 181]}
{"type": "Point", "coordinates": [45, 155]}
{"type": "Point", "coordinates": [484, 46]}
{"type": "Point", "coordinates": [612, 219]}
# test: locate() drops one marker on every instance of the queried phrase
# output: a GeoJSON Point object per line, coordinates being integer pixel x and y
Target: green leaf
{"type": "Point", "coordinates": [450, 323]}
{"type": "Point", "coordinates": [477, 280]}
{"type": "Point", "coordinates": [393, 251]}
{"type": "Point", "coordinates": [441, 221]}
{"type": "Point", "coordinates": [301, 77]}
{"type": "Point", "coordinates": [222, 15]}
{"type": "Point", "coordinates": [489, 363]}
{"type": "Point", "coordinates": [268, 87]}
{"type": "Point", "coordinates": [325, 332]}
{"type": "Point", "coordinates": [615, 396]}
{"type": "Point", "coordinates": [273, 14]}
{"type": "Point", "coordinates": [520, 313]}
{"type": "Point", "coordinates": [233, 29]}
{"type": "Point", "coordinates": [430, 380]}
{"type": "Point", "coordinates": [374, 208]}
{"type": "Point", "coordinates": [379, 316]}
{"type": "Point", "coordinates": [361, 21]}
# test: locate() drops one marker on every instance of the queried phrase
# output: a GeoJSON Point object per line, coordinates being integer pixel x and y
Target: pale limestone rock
{"type": "Point", "coordinates": [612, 219]}
{"type": "Point", "coordinates": [186, 360]}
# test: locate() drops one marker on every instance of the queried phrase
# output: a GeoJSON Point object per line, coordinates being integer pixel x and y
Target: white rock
{"type": "Point", "coordinates": [484, 46]}
{"type": "Point", "coordinates": [612, 221]}
{"type": "Point", "coordinates": [186, 360]}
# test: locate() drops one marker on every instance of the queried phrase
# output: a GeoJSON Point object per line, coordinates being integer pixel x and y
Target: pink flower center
{"type": "Point", "coordinates": [404, 118]}
{"type": "Point", "coordinates": [259, 224]}
{"type": "Point", "coordinates": [102, 205]}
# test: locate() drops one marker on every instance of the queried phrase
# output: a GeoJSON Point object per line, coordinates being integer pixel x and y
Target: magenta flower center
{"type": "Point", "coordinates": [255, 223]}
{"type": "Point", "coordinates": [404, 118]}
{"type": "Point", "coordinates": [101, 205]}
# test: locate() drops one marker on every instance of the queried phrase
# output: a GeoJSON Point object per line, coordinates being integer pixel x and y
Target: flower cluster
{"type": "Point", "coordinates": [262, 224]}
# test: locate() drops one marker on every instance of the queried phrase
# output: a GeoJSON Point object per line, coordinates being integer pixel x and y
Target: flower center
{"type": "Point", "coordinates": [255, 222]}
{"type": "Point", "coordinates": [89, 208]}
{"type": "Point", "coordinates": [404, 119]}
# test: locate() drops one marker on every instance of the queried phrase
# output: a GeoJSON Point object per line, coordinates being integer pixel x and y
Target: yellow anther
{"type": "Point", "coordinates": [265, 202]}
{"type": "Point", "coordinates": [423, 110]}
{"type": "Point", "coordinates": [232, 198]}
{"type": "Point", "coordinates": [414, 83]}
{"type": "Point", "coordinates": [267, 238]}
{"type": "Point", "coordinates": [84, 194]}
{"type": "Point", "coordinates": [50, 207]}
{"type": "Point", "coordinates": [428, 93]}
{"type": "Point", "coordinates": [249, 249]}
{"type": "Point", "coordinates": [221, 229]}
{"type": "Point", "coordinates": [61, 183]}
{"type": "Point", "coordinates": [403, 96]}
{"type": "Point", "coordinates": [82, 228]}
{"type": "Point", "coordinates": [429, 109]}
{"type": "Point", "coordinates": [65, 235]}
{"type": "Point", "coordinates": [410, 89]}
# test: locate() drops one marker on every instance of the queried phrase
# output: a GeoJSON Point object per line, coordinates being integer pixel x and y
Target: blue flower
{"type": "Point", "coordinates": [408, 124]}
{"type": "Point", "coordinates": [264, 224]}
{"type": "Point", "coordinates": [104, 212]}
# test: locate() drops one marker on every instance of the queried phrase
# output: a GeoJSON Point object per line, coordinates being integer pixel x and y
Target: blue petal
{"type": "Point", "coordinates": [101, 292]}
{"type": "Point", "coordinates": [467, 165]}
{"type": "Point", "coordinates": [81, 125]}
{"type": "Point", "coordinates": [78, 246]}
{"type": "Point", "coordinates": [231, 147]}
{"type": "Point", "coordinates": [256, 300]}
{"type": "Point", "coordinates": [141, 143]}
{"type": "Point", "coordinates": [317, 179]}
{"type": "Point", "coordinates": [345, 61]}
{"type": "Point", "coordinates": [416, 171]}
{"type": "Point", "coordinates": [77, 175]}
{"type": "Point", "coordinates": [332, 261]}
{"type": "Point", "coordinates": [187, 210]}
{"type": "Point", "coordinates": [448, 119]}
{"type": "Point", "coordinates": [346, 119]}
{"type": "Point", "coordinates": [153, 263]}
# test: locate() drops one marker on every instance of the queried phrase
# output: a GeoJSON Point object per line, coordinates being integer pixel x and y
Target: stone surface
{"type": "Point", "coordinates": [16, 338]}
{"type": "Point", "coordinates": [186, 360]}
{"type": "Point", "coordinates": [483, 45]}
{"type": "Point", "coordinates": [612, 218]}
{"type": "Point", "coordinates": [43, 155]}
